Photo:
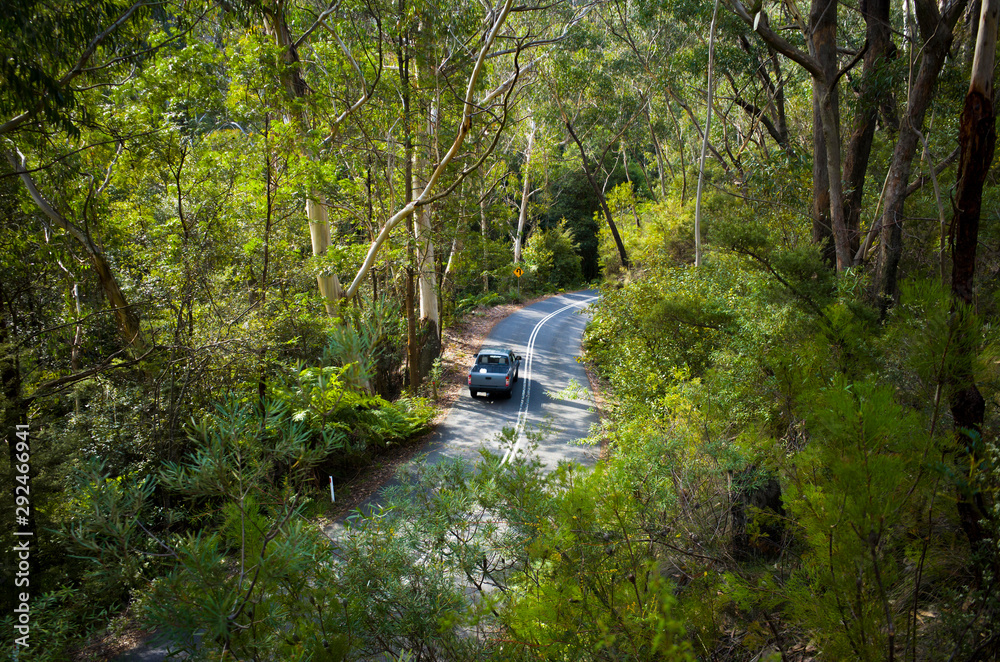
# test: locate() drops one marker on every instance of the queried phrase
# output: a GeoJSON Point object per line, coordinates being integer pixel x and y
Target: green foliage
{"type": "Point", "coordinates": [170, 136]}
{"type": "Point", "coordinates": [33, 64]}
{"type": "Point", "coordinates": [265, 441]}
{"type": "Point", "coordinates": [56, 619]}
{"type": "Point", "coordinates": [761, 371]}
{"type": "Point", "coordinates": [551, 258]}
{"type": "Point", "coordinates": [655, 234]}
{"type": "Point", "coordinates": [556, 560]}
{"type": "Point", "coordinates": [260, 598]}
{"type": "Point", "coordinates": [855, 490]}
{"type": "Point", "coordinates": [591, 586]}
{"type": "Point", "coordinates": [342, 423]}
{"type": "Point", "coordinates": [266, 602]}
{"type": "Point", "coordinates": [570, 198]}
{"type": "Point", "coordinates": [484, 300]}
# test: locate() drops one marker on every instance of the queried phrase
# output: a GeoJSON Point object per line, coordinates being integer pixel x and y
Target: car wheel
{"type": "Point", "coordinates": [515, 376]}
{"type": "Point", "coordinates": [472, 394]}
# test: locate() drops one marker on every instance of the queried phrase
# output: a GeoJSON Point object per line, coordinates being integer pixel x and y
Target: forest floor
{"type": "Point", "coordinates": [459, 341]}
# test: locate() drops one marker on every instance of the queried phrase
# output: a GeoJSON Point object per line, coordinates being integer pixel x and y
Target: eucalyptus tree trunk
{"type": "Point", "coordinates": [823, 47]}
{"type": "Point", "coordinates": [319, 234]}
{"type": "Point", "coordinates": [936, 31]}
{"type": "Point", "coordinates": [317, 212]}
{"type": "Point", "coordinates": [316, 208]}
{"type": "Point", "coordinates": [426, 151]}
{"type": "Point", "coordinates": [880, 52]}
{"type": "Point", "coordinates": [823, 28]}
{"type": "Point", "coordinates": [522, 215]}
{"type": "Point", "coordinates": [424, 229]}
{"type": "Point", "coordinates": [822, 227]}
{"type": "Point", "coordinates": [412, 346]}
{"type": "Point", "coordinates": [497, 98]}
{"type": "Point", "coordinates": [821, 63]}
{"type": "Point", "coordinates": [977, 139]}
{"type": "Point", "coordinates": [128, 321]}
{"type": "Point", "coordinates": [658, 153]}
{"type": "Point", "coordinates": [704, 141]}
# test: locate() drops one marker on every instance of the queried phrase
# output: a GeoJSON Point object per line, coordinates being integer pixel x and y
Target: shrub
{"type": "Point", "coordinates": [552, 258]}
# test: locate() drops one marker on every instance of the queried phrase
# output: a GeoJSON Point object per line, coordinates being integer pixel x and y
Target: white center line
{"type": "Point", "coordinates": [522, 412]}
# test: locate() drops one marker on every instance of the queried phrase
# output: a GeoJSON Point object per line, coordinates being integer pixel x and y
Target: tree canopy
{"type": "Point", "coordinates": [234, 232]}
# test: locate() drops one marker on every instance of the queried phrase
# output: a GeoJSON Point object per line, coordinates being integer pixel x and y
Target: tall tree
{"type": "Point", "coordinates": [522, 214]}
{"type": "Point", "coordinates": [874, 98]}
{"type": "Point", "coordinates": [275, 18]}
{"type": "Point", "coordinates": [46, 81]}
{"type": "Point", "coordinates": [485, 110]}
{"type": "Point", "coordinates": [821, 63]}
{"type": "Point", "coordinates": [935, 27]}
{"type": "Point", "coordinates": [128, 321]}
{"type": "Point", "coordinates": [588, 102]}
{"type": "Point", "coordinates": [704, 142]}
{"type": "Point", "coordinates": [977, 140]}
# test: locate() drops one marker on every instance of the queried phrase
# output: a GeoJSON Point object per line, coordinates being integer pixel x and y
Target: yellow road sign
{"type": "Point", "coordinates": [518, 271]}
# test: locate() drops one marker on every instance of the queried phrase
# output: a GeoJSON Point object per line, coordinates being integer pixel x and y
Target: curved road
{"type": "Point", "coordinates": [552, 388]}
{"type": "Point", "coordinates": [552, 391]}
{"type": "Point", "coordinates": [552, 394]}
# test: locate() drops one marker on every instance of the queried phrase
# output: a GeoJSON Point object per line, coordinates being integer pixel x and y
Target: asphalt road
{"type": "Point", "coordinates": [552, 389]}
{"type": "Point", "coordinates": [552, 392]}
{"type": "Point", "coordinates": [552, 395]}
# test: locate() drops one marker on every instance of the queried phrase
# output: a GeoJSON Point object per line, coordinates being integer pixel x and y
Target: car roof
{"type": "Point", "coordinates": [492, 350]}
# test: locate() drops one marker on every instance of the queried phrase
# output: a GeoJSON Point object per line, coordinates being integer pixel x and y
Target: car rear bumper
{"type": "Point", "coordinates": [491, 389]}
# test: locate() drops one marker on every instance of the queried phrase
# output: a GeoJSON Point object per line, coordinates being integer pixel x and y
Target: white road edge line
{"type": "Point", "coordinates": [522, 412]}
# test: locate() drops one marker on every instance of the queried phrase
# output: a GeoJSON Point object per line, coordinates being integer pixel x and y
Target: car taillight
{"type": "Point", "coordinates": [470, 380]}
{"type": "Point", "coordinates": [507, 381]}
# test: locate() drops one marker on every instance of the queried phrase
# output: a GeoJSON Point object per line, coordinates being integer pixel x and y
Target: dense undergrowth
{"type": "Point", "coordinates": [782, 484]}
{"type": "Point", "coordinates": [794, 454]}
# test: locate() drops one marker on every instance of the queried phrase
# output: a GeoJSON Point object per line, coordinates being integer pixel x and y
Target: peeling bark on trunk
{"type": "Point", "coordinates": [977, 139]}
{"type": "Point", "coordinates": [426, 266]}
{"type": "Point", "coordinates": [319, 233]}
{"type": "Point", "coordinates": [822, 228]}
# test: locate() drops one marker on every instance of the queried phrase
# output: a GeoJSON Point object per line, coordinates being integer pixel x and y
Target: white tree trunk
{"type": "Point", "coordinates": [522, 215]}
{"type": "Point", "coordinates": [469, 107]}
{"type": "Point", "coordinates": [423, 231]}
{"type": "Point", "coordinates": [426, 266]}
{"type": "Point", "coordinates": [704, 142]}
{"type": "Point", "coordinates": [319, 233]}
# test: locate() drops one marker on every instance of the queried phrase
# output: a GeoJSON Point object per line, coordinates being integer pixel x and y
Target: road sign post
{"type": "Point", "coordinates": [517, 272]}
